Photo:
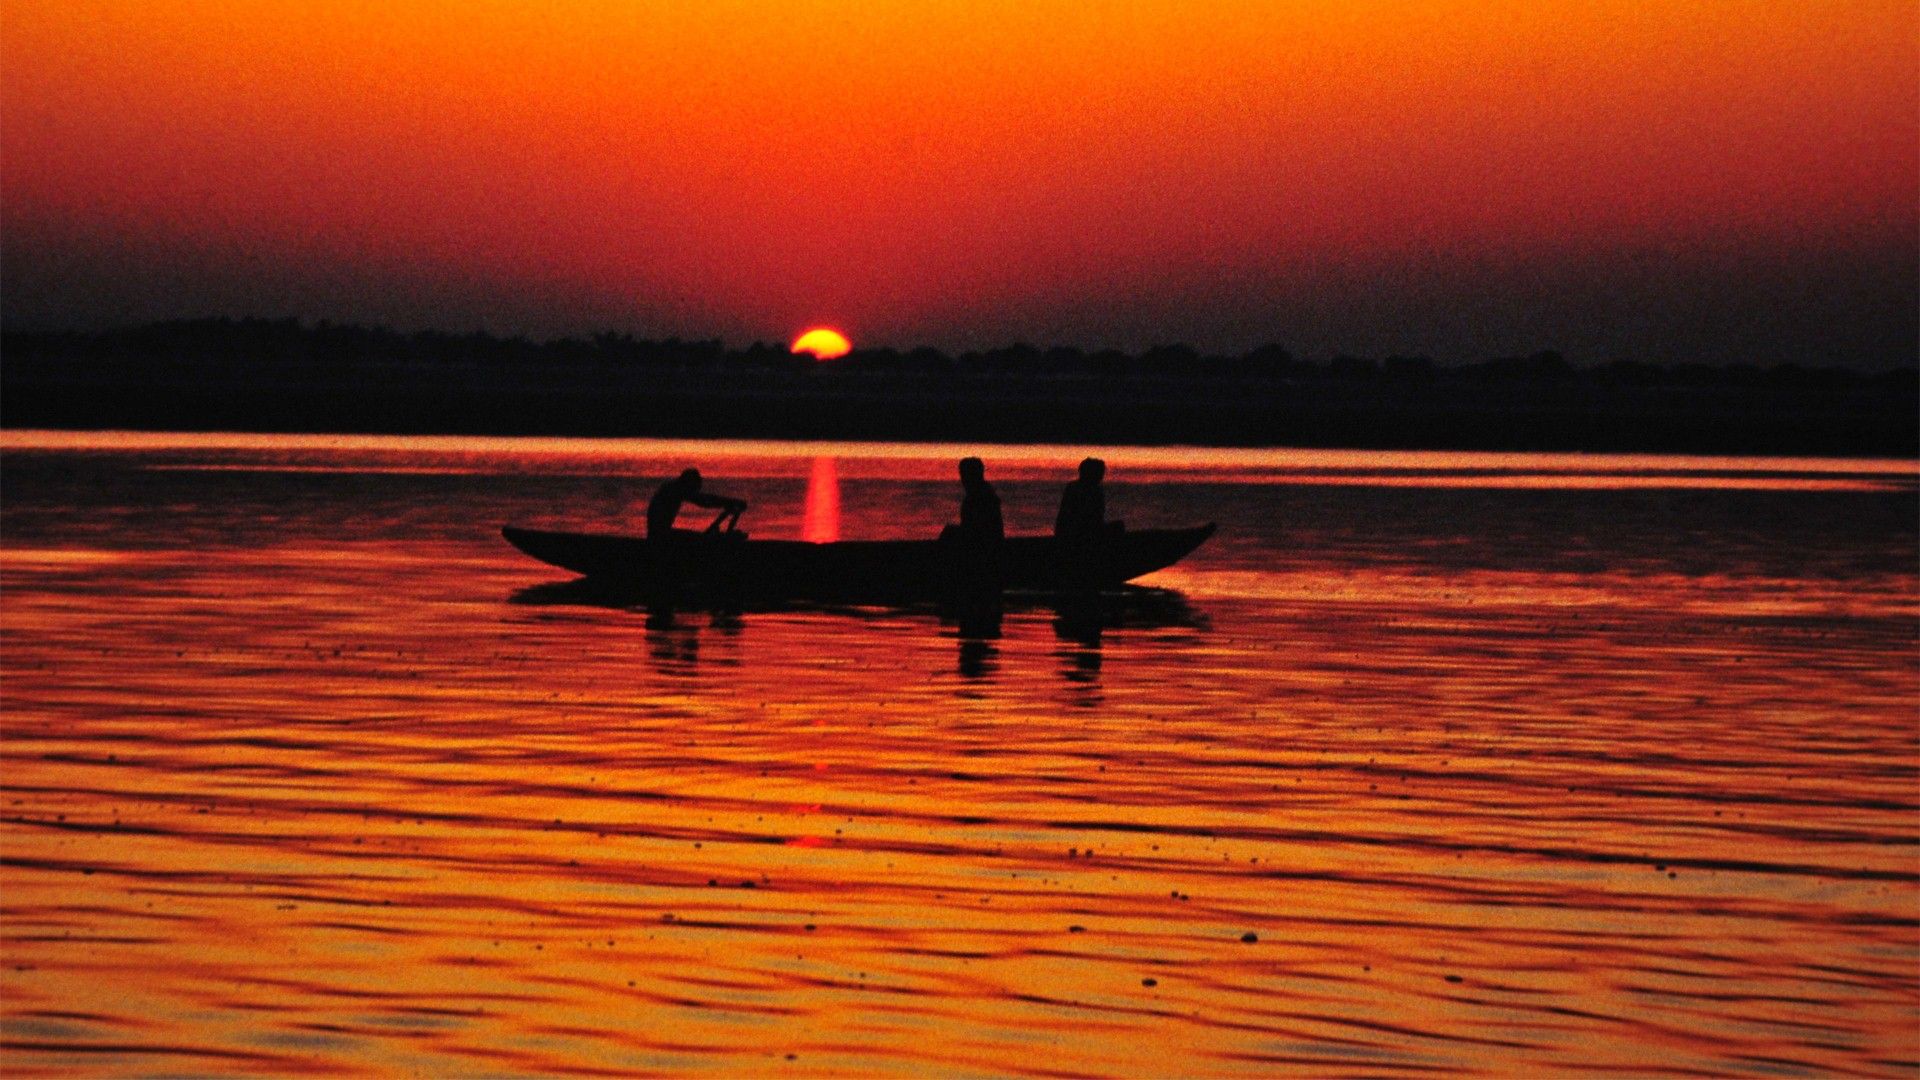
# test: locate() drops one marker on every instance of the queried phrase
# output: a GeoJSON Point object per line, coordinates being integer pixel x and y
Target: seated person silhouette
{"type": "Point", "coordinates": [685, 488]}
{"type": "Point", "coordinates": [977, 539]}
{"type": "Point", "coordinates": [979, 505]}
{"type": "Point", "coordinates": [1083, 506]}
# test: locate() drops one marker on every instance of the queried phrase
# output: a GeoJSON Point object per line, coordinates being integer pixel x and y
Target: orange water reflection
{"type": "Point", "coordinates": [346, 786]}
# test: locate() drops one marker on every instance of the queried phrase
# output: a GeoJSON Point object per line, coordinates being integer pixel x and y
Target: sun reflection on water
{"type": "Point", "coordinates": [822, 511]}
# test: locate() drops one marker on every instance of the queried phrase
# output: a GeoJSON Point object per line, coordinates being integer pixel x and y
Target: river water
{"type": "Point", "coordinates": [1497, 764]}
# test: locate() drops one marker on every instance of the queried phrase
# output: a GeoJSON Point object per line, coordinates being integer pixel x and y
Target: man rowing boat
{"type": "Point", "coordinates": [682, 489]}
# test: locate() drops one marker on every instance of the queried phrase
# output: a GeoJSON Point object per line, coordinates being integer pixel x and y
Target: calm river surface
{"type": "Point", "coordinates": [1426, 763]}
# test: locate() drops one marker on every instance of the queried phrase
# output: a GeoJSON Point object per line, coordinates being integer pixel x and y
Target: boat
{"type": "Point", "coordinates": [731, 563]}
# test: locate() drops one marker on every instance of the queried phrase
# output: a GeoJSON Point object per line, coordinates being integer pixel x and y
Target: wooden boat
{"type": "Point", "coordinates": [729, 562]}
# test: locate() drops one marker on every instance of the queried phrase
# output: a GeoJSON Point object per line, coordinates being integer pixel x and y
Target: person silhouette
{"type": "Point", "coordinates": [980, 520]}
{"type": "Point", "coordinates": [974, 545]}
{"type": "Point", "coordinates": [685, 488]}
{"type": "Point", "coordinates": [1083, 505]}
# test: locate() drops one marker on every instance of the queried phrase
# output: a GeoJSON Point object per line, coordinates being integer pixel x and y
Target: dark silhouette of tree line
{"type": "Point", "coordinates": [284, 374]}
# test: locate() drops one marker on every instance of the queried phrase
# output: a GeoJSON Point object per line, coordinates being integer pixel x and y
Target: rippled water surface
{"type": "Point", "coordinates": [1424, 764]}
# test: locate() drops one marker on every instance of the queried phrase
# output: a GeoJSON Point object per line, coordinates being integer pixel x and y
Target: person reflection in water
{"type": "Point", "coordinates": [978, 624]}
{"type": "Point", "coordinates": [674, 645]}
{"type": "Point", "coordinates": [682, 489]}
{"type": "Point", "coordinates": [979, 504]}
{"type": "Point", "coordinates": [1078, 624]}
{"type": "Point", "coordinates": [1083, 505]}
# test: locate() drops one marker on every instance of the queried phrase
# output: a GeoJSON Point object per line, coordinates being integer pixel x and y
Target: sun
{"type": "Point", "coordinates": [823, 343]}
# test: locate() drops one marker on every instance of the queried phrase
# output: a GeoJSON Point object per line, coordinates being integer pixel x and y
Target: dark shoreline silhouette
{"type": "Point", "coordinates": [282, 375]}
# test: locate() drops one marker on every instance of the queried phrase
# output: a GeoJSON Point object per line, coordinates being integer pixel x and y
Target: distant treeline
{"type": "Point", "coordinates": [254, 341]}
{"type": "Point", "coordinates": [284, 375]}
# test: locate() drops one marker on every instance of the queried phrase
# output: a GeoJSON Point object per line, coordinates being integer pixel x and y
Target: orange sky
{"type": "Point", "coordinates": [1424, 175]}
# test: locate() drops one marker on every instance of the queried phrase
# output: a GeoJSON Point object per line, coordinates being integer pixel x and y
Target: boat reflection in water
{"type": "Point", "coordinates": [1080, 620]}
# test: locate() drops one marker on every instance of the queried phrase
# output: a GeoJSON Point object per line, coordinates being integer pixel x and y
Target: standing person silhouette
{"type": "Point", "coordinates": [1083, 505]}
{"type": "Point", "coordinates": [685, 488]}
{"type": "Point", "coordinates": [979, 505]}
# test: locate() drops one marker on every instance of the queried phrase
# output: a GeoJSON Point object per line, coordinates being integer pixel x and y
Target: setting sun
{"type": "Point", "coordinates": [823, 343]}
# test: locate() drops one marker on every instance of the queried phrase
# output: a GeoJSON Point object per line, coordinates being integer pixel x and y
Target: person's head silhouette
{"type": "Point", "coordinates": [1093, 470]}
{"type": "Point", "coordinates": [691, 478]}
{"type": "Point", "coordinates": [972, 471]}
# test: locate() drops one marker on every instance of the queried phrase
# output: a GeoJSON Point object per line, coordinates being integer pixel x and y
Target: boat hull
{"type": "Point", "coordinates": [701, 563]}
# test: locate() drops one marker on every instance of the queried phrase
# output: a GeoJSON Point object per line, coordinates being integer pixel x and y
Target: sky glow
{"type": "Point", "coordinates": [1611, 178]}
